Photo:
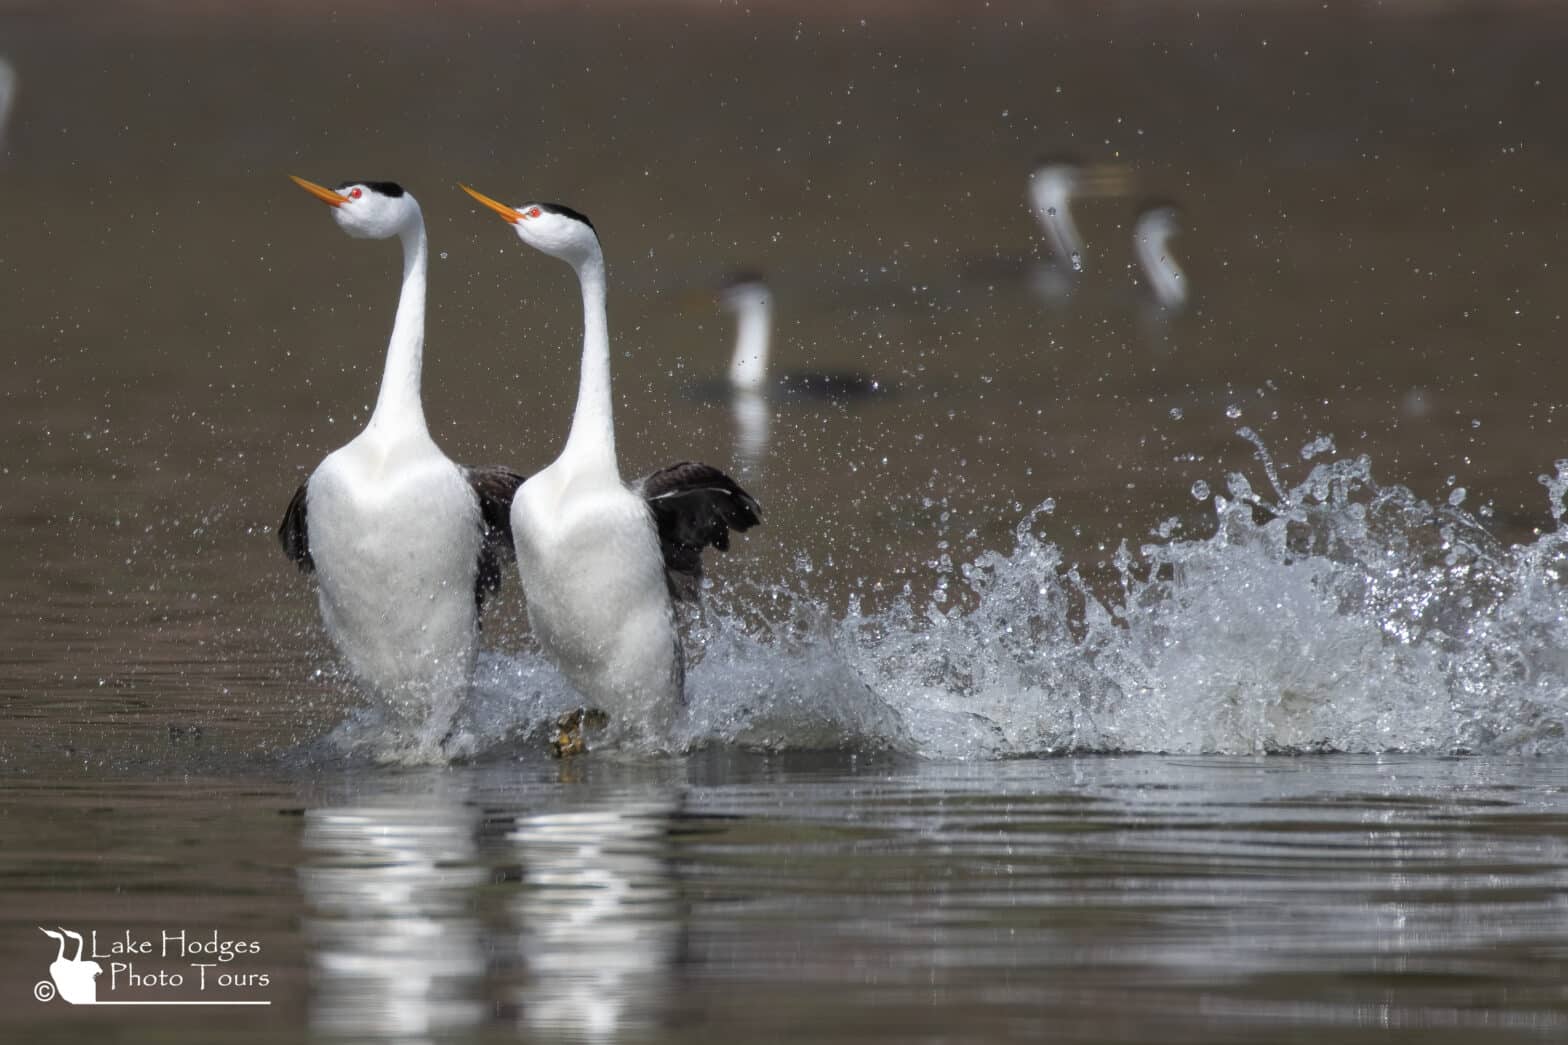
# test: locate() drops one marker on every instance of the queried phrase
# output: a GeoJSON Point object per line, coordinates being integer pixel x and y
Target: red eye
{"type": "Point", "coordinates": [355, 194]}
{"type": "Point", "coordinates": [535, 212]}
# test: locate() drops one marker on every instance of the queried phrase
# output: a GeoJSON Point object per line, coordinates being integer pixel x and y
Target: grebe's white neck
{"type": "Point", "coordinates": [398, 406]}
{"type": "Point", "coordinates": [591, 441]}
{"type": "Point", "coordinates": [1051, 192]}
{"type": "Point", "coordinates": [753, 330]}
{"type": "Point", "coordinates": [1151, 241]}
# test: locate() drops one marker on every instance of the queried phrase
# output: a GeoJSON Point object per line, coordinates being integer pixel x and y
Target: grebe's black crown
{"type": "Point", "coordinates": [385, 188]}
{"type": "Point", "coordinates": [566, 212]}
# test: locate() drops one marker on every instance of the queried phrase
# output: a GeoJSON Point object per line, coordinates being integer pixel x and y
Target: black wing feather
{"type": "Point", "coordinates": [695, 506]}
{"type": "Point", "coordinates": [495, 486]}
{"type": "Point", "coordinates": [293, 535]}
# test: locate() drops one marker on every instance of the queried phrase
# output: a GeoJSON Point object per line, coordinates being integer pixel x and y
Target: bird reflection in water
{"type": "Point", "coordinates": [751, 415]}
{"type": "Point", "coordinates": [389, 883]}
{"type": "Point", "coordinates": [599, 933]}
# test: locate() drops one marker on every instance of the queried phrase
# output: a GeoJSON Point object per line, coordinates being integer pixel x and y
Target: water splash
{"type": "Point", "coordinates": [1338, 615]}
{"type": "Point", "coordinates": [1335, 615]}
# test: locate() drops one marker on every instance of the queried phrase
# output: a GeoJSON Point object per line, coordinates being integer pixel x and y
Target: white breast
{"type": "Point", "coordinates": [593, 577]}
{"type": "Point", "coordinates": [395, 537]}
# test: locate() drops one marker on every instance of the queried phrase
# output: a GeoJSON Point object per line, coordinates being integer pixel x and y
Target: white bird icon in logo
{"type": "Point", "coordinates": [76, 980]}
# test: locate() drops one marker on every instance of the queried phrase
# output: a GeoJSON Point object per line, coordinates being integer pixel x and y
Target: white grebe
{"type": "Point", "coordinates": [602, 561]}
{"type": "Point", "coordinates": [404, 543]}
{"type": "Point", "coordinates": [747, 296]}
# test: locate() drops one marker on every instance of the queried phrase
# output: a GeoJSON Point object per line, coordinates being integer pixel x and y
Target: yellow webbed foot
{"type": "Point", "coordinates": [571, 731]}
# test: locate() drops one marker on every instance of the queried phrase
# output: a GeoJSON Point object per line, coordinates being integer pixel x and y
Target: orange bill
{"type": "Point", "coordinates": [508, 214]}
{"type": "Point", "coordinates": [321, 192]}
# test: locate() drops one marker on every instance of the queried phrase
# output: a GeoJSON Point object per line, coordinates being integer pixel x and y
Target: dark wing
{"type": "Point", "coordinates": [495, 487]}
{"type": "Point", "coordinates": [293, 535]}
{"type": "Point", "coordinates": [694, 506]}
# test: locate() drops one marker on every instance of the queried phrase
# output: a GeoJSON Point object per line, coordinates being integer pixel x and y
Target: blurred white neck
{"type": "Point", "coordinates": [1166, 280]}
{"type": "Point", "coordinates": [1052, 197]}
{"type": "Point", "coordinates": [753, 328]}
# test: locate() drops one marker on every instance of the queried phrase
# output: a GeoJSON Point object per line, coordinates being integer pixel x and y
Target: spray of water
{"type": "Point", "coordinates": [1335, 615]}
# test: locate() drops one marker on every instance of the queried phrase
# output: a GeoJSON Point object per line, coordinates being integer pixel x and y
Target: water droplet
{"type": "Point", "coordinates": [1176, 413]}
{"type": "Point", "coordinates": [1233, 411]}
{"type": "Point", "coordinates": [443, 255]}
{"type": "Point", "coordinates": [1200, 491]}
{"type": "Point", "coordinates": [1078, 266]}
{"type": "Point", "coordinates": [1456, 498]}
